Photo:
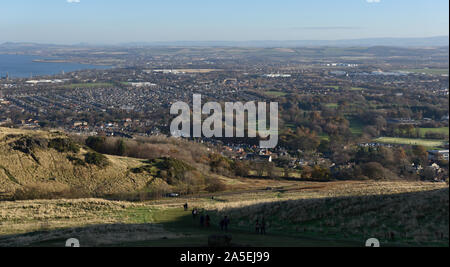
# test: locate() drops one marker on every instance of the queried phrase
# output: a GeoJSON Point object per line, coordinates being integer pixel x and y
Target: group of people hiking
{"type": "Point", "coordinates": [205, 221]}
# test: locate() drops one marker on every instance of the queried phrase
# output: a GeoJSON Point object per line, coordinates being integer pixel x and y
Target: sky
{"type": "Point", "coordinates": [124, 21]}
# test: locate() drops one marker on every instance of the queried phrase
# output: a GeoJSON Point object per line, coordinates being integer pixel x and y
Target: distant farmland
{"type": "Point", "coordinates": [427, 71]}
{"type": "Point", "coordinates": [88, 85]}
{"type": "Point", "coordinates": [275, 93]}
{"type": "Point", "coordinates": [410, 141]}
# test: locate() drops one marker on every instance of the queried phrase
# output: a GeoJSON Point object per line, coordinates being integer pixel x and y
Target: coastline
{"type": "Point", "coordinates": [68, 61]}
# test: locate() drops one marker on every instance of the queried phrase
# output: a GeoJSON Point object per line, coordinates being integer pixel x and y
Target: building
{"type": "Point", "coordinates": [259, 158]}
{"type": "Point", "coordinates": [438, 154]}
{"type": "Point", "coordinates": [80, 123]}
{"type": "Point", "coordinates": [142, 84]}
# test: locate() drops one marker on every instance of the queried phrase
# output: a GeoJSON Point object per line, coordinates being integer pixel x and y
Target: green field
{"type": "Point", "coordinates": [443, 130]}
{"type": "Point", "coordinates": [324, 136]}
{"type": "Point", "coordinates": [275, 93]}
{"type": "Point", "coordinates": [427, 71]}
{"type": "Point", "coordinates": [356, 127]}
{"type": "Point", "coordinates": [88, 85]}
{"type": "Point", "coordinates": [357, 89]}
{"type": "Point", "coordinates": [410, 141]}
{"type": "Point", "coordinates": [333, 87]}
{"type": "Point", "coordinates": [332, 105]}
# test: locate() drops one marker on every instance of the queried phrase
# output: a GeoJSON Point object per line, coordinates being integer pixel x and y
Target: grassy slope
{"type": "Point", "coordinates": [308, 217]}
{"type": "Point", "coordinates": [55, 170]}
{"type": "Point", "coordinates": [419, 218]}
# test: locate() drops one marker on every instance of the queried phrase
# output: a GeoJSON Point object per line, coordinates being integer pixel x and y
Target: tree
{"type": "Point", "coordinates": [241, 169]}
{"type": "Point", "coordinates": [215, 185]}
{"type": "Point", "coordinates": [376, 171]}
{"type": "Point", "coordinates": [420, 155]}
{"type": "Point", "coordinates": [380, 123]}
{"type": "Point", "coordinates": [121, 147]}
{"type": "Point", "coordinates": [302, 139]}
{"type": "Point", "coordinates": [429, 173]}
{"type": "Point", "coordinates": [320, 173]}
{"type": "Point", "coordinates": [96, 143]}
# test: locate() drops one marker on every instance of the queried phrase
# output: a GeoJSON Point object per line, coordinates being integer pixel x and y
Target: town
{"type": "Point", "coordinates": [388, 103]}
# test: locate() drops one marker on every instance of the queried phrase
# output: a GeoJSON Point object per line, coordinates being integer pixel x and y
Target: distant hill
{"type": "Point", "coordinates": [401, 42]}
{"type": "Point", "coordinates": [437, 41]}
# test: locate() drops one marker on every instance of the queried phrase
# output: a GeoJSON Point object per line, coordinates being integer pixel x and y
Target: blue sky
{"type": "Point", "coordinates": [119, 21]}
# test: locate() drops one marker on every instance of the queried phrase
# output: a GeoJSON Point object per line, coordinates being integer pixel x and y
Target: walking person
{"type": "Point", "coordinates": [186, 207]}
{"type": "Point", "coordinates": [207, 221]}
{"type": "Point", "coordinates": [202, 221]}
{"type": "Point", "coordinates": [263, 226]}
{"type": "Point", "coordinates": [194, 213]}
{"type": "Point", "coordinates": [226, 222]}
{"type": "Point", "coordinates": [257, 227]}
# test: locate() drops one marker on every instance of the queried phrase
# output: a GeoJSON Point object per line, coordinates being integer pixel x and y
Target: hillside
{"type": "Point", "coordinates": [340, 214]}
{"type": "Point", "coordinates": [42, 164]}
{"type": "Point", "coordinates": [414, 218]}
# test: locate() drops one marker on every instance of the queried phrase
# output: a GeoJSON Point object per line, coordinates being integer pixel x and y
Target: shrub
{"type": "Point", "coordinates": [47, 191]}
{"type": "Point", "coordinates": [142, 169]}
{"type": "Point", "coordinates": [215, 185]}
{"type": "Point", "coordinates": [220, 164]}
{"type": "Point", "coordinates": [376, 171]}
{"type": "Point", "coordinates": [76, 161]}
{"type": "Point", "coordinates": [173, 168]}
{"type": "Point", "coordinates": [241, 169]}
{"type": "Point", "coordinates": [27, 144]}
{"type": "Point", "coordinates": [96, 143]}
{"type": "Point", "coordinates": [63, 145]}
{"type": "Point", "coordinates": [97, 159]}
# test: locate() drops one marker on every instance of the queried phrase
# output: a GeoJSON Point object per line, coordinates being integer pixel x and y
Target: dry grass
{"type": "Point", "coordinates": [92, 236]}
{"type": "Point", "coordinates": [27, 216]}
{"type": "Point", "coordinates": [317, 190]}
{"type": "Point", "coordinates": [20, 170]}
{"type": "Point", "coordinates": [96, 222]}
{"type": "Point", "coordinates": [302, 203]}
{"type": "Point", "coordinates": [65, 174]}
{"type": "Point", "coordinates": [392, 212]}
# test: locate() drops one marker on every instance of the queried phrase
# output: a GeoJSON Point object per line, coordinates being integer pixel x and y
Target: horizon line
{"type": "Point", "coordinates": [216, 41]}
